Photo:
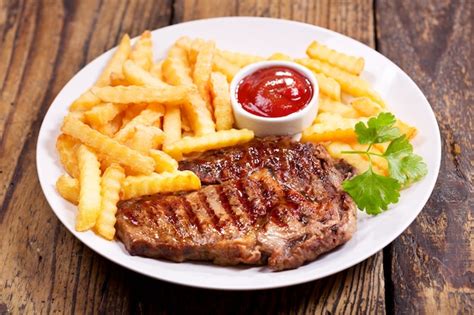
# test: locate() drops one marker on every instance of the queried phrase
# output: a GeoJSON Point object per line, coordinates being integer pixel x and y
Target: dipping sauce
{"type": "Point", "coordinates": [274, 92]}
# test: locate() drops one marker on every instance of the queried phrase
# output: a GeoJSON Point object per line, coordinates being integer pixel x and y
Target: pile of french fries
{"type": "Point", "coordinates": [123, 137]}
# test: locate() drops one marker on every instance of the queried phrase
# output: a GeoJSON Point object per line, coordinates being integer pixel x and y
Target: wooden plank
{"type": "Point", "coordinates": [42, 267]}
{"type": "Point", "coordinates": [432, 263]}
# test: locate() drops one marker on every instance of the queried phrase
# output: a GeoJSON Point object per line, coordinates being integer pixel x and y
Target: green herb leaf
{"type": "Point", "coordinates": [372, 192]}
{"type": "Point", "coordinates": [378, 129]}
{"type": "Point", "coordinates": [403, 165]}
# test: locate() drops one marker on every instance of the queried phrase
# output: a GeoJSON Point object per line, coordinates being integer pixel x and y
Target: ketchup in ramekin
{"type": "Point", "coordinates": [274, 92]}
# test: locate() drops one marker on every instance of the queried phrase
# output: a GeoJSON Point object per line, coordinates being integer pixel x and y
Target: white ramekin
{"type": "Point", "coordinates": [264, 126]}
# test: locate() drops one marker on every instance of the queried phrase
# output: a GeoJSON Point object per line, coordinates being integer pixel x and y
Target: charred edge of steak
{"type": "Point", "coordinates": [287, 158]}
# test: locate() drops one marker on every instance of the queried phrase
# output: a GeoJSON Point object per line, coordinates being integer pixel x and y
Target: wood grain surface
{"type": "Point", "coordinates": [44, 269]}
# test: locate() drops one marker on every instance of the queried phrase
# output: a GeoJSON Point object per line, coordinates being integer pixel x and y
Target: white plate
{"type": "Point", "coordinates": [261, 36]}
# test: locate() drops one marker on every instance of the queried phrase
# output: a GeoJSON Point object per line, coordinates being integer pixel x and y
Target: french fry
{"type": "Point", "coordinates": [133, 110]}
{"type": "Point", "coordinates": [185, 125]}
{"type": "Point", "coordinates": [89, 195]}
{"type": "Point", "coordinates": [216, 140]}
{"type": "Point", "coordinates": [222, 65]}
{"type": "Point", "coordinates": [102, 144]}
{"type": "Point", "coordinates": [356, 160]}
{"type": "Point", "coordinates": [239, 59]}
{"type": "Point", "coordinates": [331, 127]}
{"type": "Point", "coordinates": [328, 86]}
{"type": "Point", "coordinates": [176, 71]}
{"type": "Point", "coordinates": [142, 52]}
{"type": "Point", "coordinates": [280, 56]}
{"type": "Point", "coordinates": [136, 186]}
{"type": "Point", "coordinates": [221, 101]}
{"type": "Point", "coordinates": [156, 71]}
{"type": "Point", "coordinates": [198, 114]}
{"type": "Point", "coordinates": [86, 101]}
{"type": "Point", "coordinates": [328, 105]}
{"type": "Point", "coordinates": [202, 71]}
{"type": "Point", "coordinates": [349, 83]}
{"type": "Point", "coordinates": [110, 128]}
{"type": "Point", "coordinates": [379, 162]}
{"type": "Point", "coordinates": [68, 188]}
{"type": "Point", "coordinates": [193, 50]}
{"type": "Point", "coordinates": [172, 125]}
{"type": "Point", "coordinates": [365, 106]}
{"type": "Point", "coordinates": [141, 94]}
{"type": "Point", "coordinates": [137, 76]}
{"type": "Point", "coordinates": [67, 146]}
{"type": "Point", "coordinates": [115, 63]}
{"type": "Point", "coordinates": [351, 64]}
{"type": "Point", "coordinates": [117, 79]}
{"type": "Point", "coordinates": [102, 114]}
{"type": "Point", "coordinates": [163, 162]}
{"type": "Point", "coordinates": [184, 42]}
{"type": "Point", "coordinates": [110, 194]}
{"type": "Point", "coordinates": [146, 118]}
{"type": "Point", "coordinates": [146, 138]}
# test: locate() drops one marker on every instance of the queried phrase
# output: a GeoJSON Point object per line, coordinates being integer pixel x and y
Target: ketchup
{"type": "Point", "coordinates": [274, 92]}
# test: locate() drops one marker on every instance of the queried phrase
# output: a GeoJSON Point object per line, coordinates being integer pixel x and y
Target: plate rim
{"type": "Point", "coordinates": [282, 283]}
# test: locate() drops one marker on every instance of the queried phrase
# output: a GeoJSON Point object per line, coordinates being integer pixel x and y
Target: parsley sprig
{"type": "Point", "coordinates": [373, 192]}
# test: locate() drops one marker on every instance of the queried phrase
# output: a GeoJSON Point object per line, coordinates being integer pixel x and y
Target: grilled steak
{"type": "Point", "coordinates": [272, 201]}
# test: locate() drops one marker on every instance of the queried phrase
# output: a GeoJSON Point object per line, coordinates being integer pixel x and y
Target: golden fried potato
{"type": "Point", "coordinates": [328, 86]}
{"type": "Point", "coordinates": [141, 94]}
{"type": "Point", "coordinates": [116, 151]}
{"type": "Point", "coordinates": [172, 125]}
{"type": "Point", "coordinates": [68, 188]}
{"type": "Point", "coordinates": [222, 65]}
{"type": "Point", "coordinates": [147, 117]}
{"type": "Point", "coordinates": [86, 101]}
{"type": "Point", "coordinates": [280, 56]}
{"type": "Point", "coordinates": [115, 63]}
{"type": "Point", "coordinates": [102, 114]}
{"type": "Point", "coordinates": [110, 194]}
{"type": "Point", "coordinates": [89, 182]}
{"type": "Point", "coordinates": [216, 140]}
{"type": "Point", "coordinates": [146, 138]}
{"type": "Point", "coordinates": [239, 59]}
{"type": "Point", "coordinates": [365, 106]}
{"type": "Point", "coordinates": [137, 76]}
{"type": "Point", "coordinates": [202, 71]}
{"type": "Point", "coordinates": [163, 162]}
{"type": "Point", "coordinates": [221, 101]}
{"type": "Point", "coordinates": [328, 105]}
{"type": "Point", "coordinates": [67, 146]}
{"type": "Point", "coordinates": [199, 116]}
{"type": "Point", "coordinates": [117, 79]}
{"type": "Point", "coordinates": [353, 65]}
{"type": "Point", "coordinates": [136, 186]}
{"type": "Point", "coordinates": [142, 52]}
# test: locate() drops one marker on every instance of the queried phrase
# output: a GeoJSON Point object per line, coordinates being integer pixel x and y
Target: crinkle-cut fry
{"type": "Point", "coordinates": [141, 94]}
{"type": "Point", "coordinates": [221, 101]}
{"type": "Point", "coordinates": [146, 117]}
{"type": "Point", "coordinates": [328, 86]}
{"type": "Point", "coordinates": [102, 144]}
{"type": "Point", "coordinates": [68, 188]}
{"type": "Point", "coordinates": [216, 140]}
{"type": "Point", "coordinates": [137, 76]}
{"type": "Point", "coordinates": [156, 71]}
{"type": "Point", "coordinates": [184, 42]}
{"type": "Point", "coordinates": [102, 114]}
{"type": "Point", "coordinates": [163, 162]}
{"type": "Point", "coordinates": [172, 125]}
{"type": "Point", "coordinates": [222, 65]}
{"type": "Point", "coordinates": [280, 56]}
{"type": "Point", "coordinates": [136, 186]}
{"type": "Point", "coordinates": [111, 183]}
{"type": "Point", "coordinates": [115, 63]}
{"type": "Point", "coordinates": [185, 125]}
{"type": "Point", "coordinates": [194, 49]}
{"type": "Point", "coordinates": [331, 127]}
{"type": "Point", "coordinates": [86, 101]}
{"type": "Point", "coordinates": [198, 114]}
{"type": "Point", "coordinates": [202, 71]}
{"type": "Point", "coordinates": [176, 71]}
{"type": "Point", "coordinates": [365, 106]}
{"type": "Point", "coordinates": [350, 83]}
{"type": "Point", "coordinates": [67, 146]}
{"type": "Point", "coordinates": [356, 160]}
{"type": "Point", "coordinates": [351, 64]}
{"type": "Point", "coordinates": [117, 79]}
{"type": "Point", "coordinates": [328, 105]}
{"type": "Point", "coordinates": [89, 195]}
{"type": "Point", "coordinates": [240, 59]}
{"type": "Point", "coordinates": [146, 138]}
{"type": "Point", "coordinates": [378, 161]}
{"type": "Point", "coordinates": [133, 110]}
{"type": "Point", "coordinates": [142, 51]}
{"type": "Point", "coordinates": [111, 128]}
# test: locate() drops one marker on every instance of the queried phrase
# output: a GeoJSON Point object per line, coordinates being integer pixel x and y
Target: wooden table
{"type": "Point", "coordinates": [44, 269]}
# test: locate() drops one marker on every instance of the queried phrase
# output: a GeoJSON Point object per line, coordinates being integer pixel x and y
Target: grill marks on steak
{"type": "Point", "coordinates": [271, 201]}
